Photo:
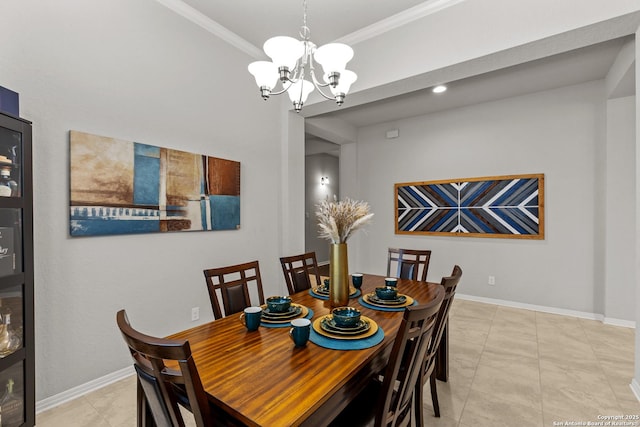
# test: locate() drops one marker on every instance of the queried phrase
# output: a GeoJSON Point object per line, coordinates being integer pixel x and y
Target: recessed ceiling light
{"type": "Point", "coordinates": [439, 89]}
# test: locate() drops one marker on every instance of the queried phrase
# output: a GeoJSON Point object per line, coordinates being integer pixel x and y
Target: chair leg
{"type": "Point", "coordinates": [145, 417]}
{"type": "Point", "coordinates": [418, 396]}
{"type": "Point", "coordinates": [434, 394]}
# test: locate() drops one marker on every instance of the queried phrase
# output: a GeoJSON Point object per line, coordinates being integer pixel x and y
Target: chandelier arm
{"type": "Point", "coordinates": [331, 98]}
{"type": "Point", "coordinates": [297, 74]}
{"type": "Point", "coordinates": [316, 83]}
{"type": "Point", "coordinates": [284, 89]}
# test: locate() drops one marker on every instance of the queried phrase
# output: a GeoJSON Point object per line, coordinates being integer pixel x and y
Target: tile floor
{"type": "Point", "coordinates": [508, 367]}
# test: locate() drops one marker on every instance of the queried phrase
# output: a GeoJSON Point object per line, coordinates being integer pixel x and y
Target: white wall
{"type": "Point", "coordinates": [316, 166]}
{"type": "Point", "coordinates": [136, 71]}
{"type": "Point", "coordinates": [292, 218]}
{"type": "Point", "coordinates": [635, 384]}
{"type": "Point", "coordinates": [619, 203]}
{"type": "Point", "coordinates": [556, 133]}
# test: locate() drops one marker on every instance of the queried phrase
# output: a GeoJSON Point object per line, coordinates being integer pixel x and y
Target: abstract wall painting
{"type": "Point", "coordinates": [122, 187]}
{"type": "Point", "coordinates": [499, 206]}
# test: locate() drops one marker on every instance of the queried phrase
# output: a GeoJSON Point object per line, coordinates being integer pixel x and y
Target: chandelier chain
{"type": "Point", "coordinates": [305, 32]}
{"type": "Point", "coordinates": [304, 12]}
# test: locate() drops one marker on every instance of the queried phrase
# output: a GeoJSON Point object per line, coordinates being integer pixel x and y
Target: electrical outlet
{"type": "Point", "coordinates": [195, 313]}
{"type": "Point", "coordinates": [492, 280]}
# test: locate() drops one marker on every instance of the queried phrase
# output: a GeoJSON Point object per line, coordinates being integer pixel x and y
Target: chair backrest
{"type": "Point", "coordinates": [165, 387]}
{"type": "Point", "coordinates": [395, 402]}
{"type": "Point", "coordinates": [409, 263]}
{"type": "Point", "coordinates": [232, 283]}
{"type": "Point", "coordinates": [449, 283]}
{"type": "Point", "coordinates": [296, 271]}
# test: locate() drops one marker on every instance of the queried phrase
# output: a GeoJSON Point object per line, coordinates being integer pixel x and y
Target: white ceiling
{"type": "Point", "coordinates": [328, 20]}
{"type": "Point", "coordinates": [574, 67]}
{"type": "Point", "coordinates": [248, 23]}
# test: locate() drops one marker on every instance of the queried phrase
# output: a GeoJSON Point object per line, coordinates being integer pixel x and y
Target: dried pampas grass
{"type": "Point", "coordinates": [339, 219]}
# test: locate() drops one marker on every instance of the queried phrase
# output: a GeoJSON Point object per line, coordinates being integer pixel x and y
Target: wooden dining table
{"type": "Point", "coordinates": [261, 379]}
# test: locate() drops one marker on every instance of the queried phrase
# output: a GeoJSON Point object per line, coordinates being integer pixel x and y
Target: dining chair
{"type": "Point", "coordinates": [296, 271]}
{"type": "Point", "coordinates": [160, 387]}
{"type": "Point", "coordinates": [232, 284]}
{"type": "Point", "coordinates": [409, 263]}
{"type": "Point", "coordinates": [449, 284]}
{"type": "Point", "coordinates": [390, 403]}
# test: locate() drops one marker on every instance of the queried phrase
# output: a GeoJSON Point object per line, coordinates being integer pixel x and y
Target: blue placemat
{"type": "Point", "coordinates": [287, 324]}
{"type": "Point", "coordinates": [375, 307]}
{"type": "Point", "coordinates": [326, 297]}
{"type": "Point", "coordinates": [334, 344]}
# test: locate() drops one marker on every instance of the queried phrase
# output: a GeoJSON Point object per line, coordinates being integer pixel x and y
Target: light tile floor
{"type": "Point", "coordinates": [508, 367]}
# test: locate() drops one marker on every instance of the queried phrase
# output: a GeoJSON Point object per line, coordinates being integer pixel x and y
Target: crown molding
{"type": "Point", "coordinates": [397, 20]}
{"type": "Point", "coordinates": [370, 31]}
{"type": "Point", "coordinates": [198, 18]}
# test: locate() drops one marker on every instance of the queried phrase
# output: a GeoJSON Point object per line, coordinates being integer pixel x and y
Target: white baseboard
{"type": "Point", "coordinates": [552, 310]}
{"type": "Point", "coordinates": [619, 322]}
{"type": "Point", "coordinates": [635, 388]}
{"type": "Point", "coordinates": [83, 389]}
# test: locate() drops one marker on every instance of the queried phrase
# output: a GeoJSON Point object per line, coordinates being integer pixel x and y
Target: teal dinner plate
{"type": "Point", "coordinates": [284, 324]}
{"type": "Point", "coordinates": [329, 325]}
{"type": "Point", "coordinates": [314, 294]}
{"type": "Point", "coordinates": [401, 299]}
{"type": "Point", "coordinates": [364, 303]}
{"type": "Point", "coordinates": [293, 311]}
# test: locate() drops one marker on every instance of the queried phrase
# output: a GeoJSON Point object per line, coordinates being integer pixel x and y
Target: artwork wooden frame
{"type": "Point", "coordinates": [123, 187]}
{"type": "Point", "coordinates": [509, 206]}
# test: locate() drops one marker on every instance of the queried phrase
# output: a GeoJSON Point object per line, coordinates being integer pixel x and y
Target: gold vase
{"type": "Point", "coordinates": [338, 275]}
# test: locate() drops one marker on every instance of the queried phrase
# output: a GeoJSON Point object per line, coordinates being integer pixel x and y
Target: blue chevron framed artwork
{"type": "Point", "coordinates": [509, 206]}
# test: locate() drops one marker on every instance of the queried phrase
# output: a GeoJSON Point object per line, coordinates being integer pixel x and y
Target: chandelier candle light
{"type": "Point", "coordinates": [337, 221]}
{"type": "Point", "coordinates": [292, 59]}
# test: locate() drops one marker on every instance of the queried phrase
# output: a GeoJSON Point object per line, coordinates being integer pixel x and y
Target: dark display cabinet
{"type": "Point", "coordinates": [17, 367]}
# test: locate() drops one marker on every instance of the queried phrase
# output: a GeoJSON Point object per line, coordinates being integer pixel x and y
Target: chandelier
{"type": "Point", "coordinates": [294, 61]}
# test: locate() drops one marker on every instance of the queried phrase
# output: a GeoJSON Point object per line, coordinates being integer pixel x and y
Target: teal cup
{"type": "Point", "coordinates": [251, 317]}
{"type": "Point", "coordinates": [299, 332]}
{"type": "Point", "coordinates": [391, 281]}
{"type": "Point", "coordinates": [356, 279]}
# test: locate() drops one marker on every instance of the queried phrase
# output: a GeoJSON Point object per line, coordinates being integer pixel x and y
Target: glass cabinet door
{"type": "Point", "coordinates": [10, 162]}
{"type": "Point", "coordinates": [12, 412]}
{"type": "Point", "coordinates": [17, 367]}
{"type": "Point", "coordinates": [11, 322]}
{"type": "Point", "coordinates": [10, 241]}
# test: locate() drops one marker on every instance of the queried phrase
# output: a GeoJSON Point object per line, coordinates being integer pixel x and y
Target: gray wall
{"type": "Point", "coordinates": [136, 71]}
{"type": "Point", "coordinates": [561, 133]}
{"type": "Point", "coordinates": [619, 202]}
{"type": "Point", "coordinates": [635, 384]}
{"type": "Point", "coordinates": [316, 166]}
